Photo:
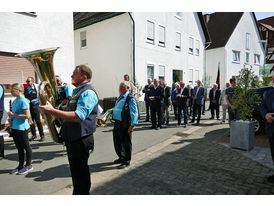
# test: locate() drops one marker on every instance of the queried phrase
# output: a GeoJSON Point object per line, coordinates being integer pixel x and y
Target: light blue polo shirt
{"type": "Point", "coordinates": [1, 92]}
{"type": "Point", "coordinates": [86, 102]}
{"type": "Point", "coordinates": [18, 106]}
{"type": "Point", "coordinates": [132, 109]}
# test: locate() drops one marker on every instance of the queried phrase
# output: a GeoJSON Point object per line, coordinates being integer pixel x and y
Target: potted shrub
{"type": "Point", "coordinates": [243, 103]}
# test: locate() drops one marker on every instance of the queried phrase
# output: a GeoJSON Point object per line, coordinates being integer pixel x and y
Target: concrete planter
{"type": "Point", "coordinates": [242, 134]}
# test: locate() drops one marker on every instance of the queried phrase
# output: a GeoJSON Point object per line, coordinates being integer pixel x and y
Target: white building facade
{"type": "Point", "coordinates": [242, 49]}
{"type": "Point", "coordinates": [166, 46]}
{"type": "Point", "coordinates": [28, 31]}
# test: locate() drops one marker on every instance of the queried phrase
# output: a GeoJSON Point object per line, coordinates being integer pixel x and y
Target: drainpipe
{"type": "Point", "coordinates": [207, 45]}
{"type": "Point", "coordinates": [133, 45]}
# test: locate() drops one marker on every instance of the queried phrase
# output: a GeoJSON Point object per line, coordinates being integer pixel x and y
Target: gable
{"type": "Point", "coordinates": [221, 26]}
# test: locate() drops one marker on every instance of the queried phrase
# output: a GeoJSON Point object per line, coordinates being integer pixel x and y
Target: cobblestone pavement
{"type": "Point", "coordinates": [189, 163]}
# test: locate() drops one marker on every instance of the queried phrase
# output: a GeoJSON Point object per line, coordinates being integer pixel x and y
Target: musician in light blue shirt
{"type": "Point", "coordinates": [125, 115]}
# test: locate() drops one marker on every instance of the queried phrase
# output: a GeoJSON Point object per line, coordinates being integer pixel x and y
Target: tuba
{"type": "Point", "coordinates": [42, 61]}
{"type": "Point", "coordinates": [102, 120]}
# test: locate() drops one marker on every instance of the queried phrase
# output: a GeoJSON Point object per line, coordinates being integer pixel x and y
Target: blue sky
{"type": "Point", "coordinates": [262, 15]}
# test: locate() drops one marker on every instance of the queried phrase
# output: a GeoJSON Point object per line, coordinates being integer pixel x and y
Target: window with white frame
{"type": "Point", "coordinates": [196, 76]}
{"type": "Point", "coordinates": [161, 73]}
{"type": "Point", "coordinates": [191, 45]}
{"type": "Point", "coordinates": [178, 41]}
{"type": "Point", "coordinates": [150, 71]}
{"type": "Point", "coordinates": [236, 56]}
{"type": "Point", "coordinates": [247, 41]}
{"type": "Point", "coordinates": [197, 47]}
{"type": "Point", "coordinates": [162, 35]}
{"type": "Point", "coordinates": [83, 39]}
{"type": "Point", "coordinates": [257, 59]}
{"type": "Point", "coordinates": [247, 57]}
{"type": "Point", "coordinates": [150, 32]}
{"type": "Point", "coordinates": [190, 76]}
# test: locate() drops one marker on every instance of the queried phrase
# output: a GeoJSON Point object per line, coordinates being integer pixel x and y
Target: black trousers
{"type": "Point", "coordinates": [21, 141]}
{"type": "Point", "coordinates": [122, 142]}
{"type": "Point", "coordinates": [175, 111]}
{"type": "Point", "coordinates": [197, 107]}
{"type": "Point", "coordinates": [156, 110]}
{"type": "Point", "coordinates": [213, 107]}
{"type": "Point", "coordinates": [35, 115]}
{"type": "Point", "coordinates": [271, 144]}
{"type": "Point", "coordinates": [147, 109]}
{"type": "Point", "coordinates": [78, 153]}
{"type": "Point", "coordinates": [1, 138]}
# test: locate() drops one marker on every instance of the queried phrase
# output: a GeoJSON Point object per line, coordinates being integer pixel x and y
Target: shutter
{"type": "Point", "coordinates": [162, 35]}
{"type": "Point", "coordinates": [178, 40]}
{"type": "Point", "coordinates": [150, 30]}
{"type": "Point", "coordinates": [14, 69]}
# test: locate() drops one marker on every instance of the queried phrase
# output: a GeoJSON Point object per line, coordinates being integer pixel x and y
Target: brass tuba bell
{"type": "Point", "coordinates": [42, 61]}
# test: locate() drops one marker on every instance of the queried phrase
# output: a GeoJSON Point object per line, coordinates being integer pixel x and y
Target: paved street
{"type": "Point", "coordinates": [168, 161]}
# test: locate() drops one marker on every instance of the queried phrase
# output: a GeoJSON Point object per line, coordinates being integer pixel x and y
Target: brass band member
{"type": "Point", "coordinates": [78, 127]}
{"type": "Point", "coordinates": [125, 114]}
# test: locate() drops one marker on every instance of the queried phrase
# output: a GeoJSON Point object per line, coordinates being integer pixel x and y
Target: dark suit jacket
{"type": "Point", "coordinates": [182, 101]}
{"type": "Point", "coordinates": [158, 93]}
{"type": "Point", "coordinates": [167, 96]}
{"type": "Point", "coordinates": [268, 107]}
{"type": "Point", "coordinates": [146, 92]}
{"type": "Point", "coordinates": [200, 95]}
{"type": "Point", "coordinates": [217, 95]}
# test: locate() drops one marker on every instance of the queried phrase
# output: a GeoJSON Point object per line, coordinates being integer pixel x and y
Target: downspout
{"type": "Point", "coordinates": [206, 46]}
{"type": "Point", "coordinates": [133, 46]}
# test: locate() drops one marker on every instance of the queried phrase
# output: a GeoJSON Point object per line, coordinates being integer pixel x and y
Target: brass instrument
{"type": "Point", "coordinates": [42, 61]}
{"type": "Point", "coordinates": [102, 120]}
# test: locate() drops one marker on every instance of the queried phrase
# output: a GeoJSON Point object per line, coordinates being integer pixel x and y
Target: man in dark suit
{"type": "Point", "coordinates": [190, 101]}
{"type": "Point", "coordinates": [182, 97]}
{"type": "Point", "coordinates": [146, 90]}
{"type": "Point", "coordinates": [156, 97]}
{"type": "Point", "coordinates": [166, 104]}
{"type": "Point", "coordinates": [267, 110]}
{"type": "Point", "coordinates": [214, 98]}
{"type": "Point", "coordinates": [198, 101]}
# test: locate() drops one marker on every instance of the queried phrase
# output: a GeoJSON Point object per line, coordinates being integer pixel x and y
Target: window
{"type": "Point", "coordinates": [197, 47]}
{"type": "Point", "coordinates": [196, 76]}
{"type": "Point", "coordinates": [162, 35]}
{"type": "Point", "coordinates": [178, 41]}
{"type": "Point", "coordinates": [150, 32]}
{"type": "Point", "coordinates": [247, 41]}
{"type": "Point", "coordinates": [191, 45]}
{"type": "Point", "coordinates": [83, 39]}
{"type": "Point", "coordinates": [161, 73]}
{"type": "Point", "coordinates": [150, 71]}
{"type": "Point", "coordinates": [247, 58]}
{"type": "Point", "coordinates": [190, 76]}
{"type": "Point", "coordinates": [257, 59]}
{"type": "Point", "coordinates": [236, 56]}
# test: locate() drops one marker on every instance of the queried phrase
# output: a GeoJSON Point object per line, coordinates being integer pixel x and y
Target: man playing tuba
{"type": "Point", "coordinates": [79, 124]}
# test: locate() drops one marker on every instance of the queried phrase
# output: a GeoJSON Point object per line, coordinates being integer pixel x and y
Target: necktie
{"type": "Point", "coordinates": [121, 97]}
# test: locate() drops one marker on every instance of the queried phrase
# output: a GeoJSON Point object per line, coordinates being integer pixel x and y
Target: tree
{"type": "Point", "coordinates": [245, 98]}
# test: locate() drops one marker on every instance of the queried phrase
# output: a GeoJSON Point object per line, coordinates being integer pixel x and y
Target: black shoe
{"type": "Point", "coordinates": [157, 128]}
{"type": "Point", "coordinates": [123, 165]}
{"type": "Point", "coordinates": [33, 138]}
{"type": "Point", "coordinates": [270, 179]}
{"type": "Point", "coordinates": [42, 138]}
{"type": "Point", "coordinates": [211, 118]}
{"type": "Point", "coordinates": [185, 125]}
{"type": "Point", "coordinates": [153, 127]}
{"type": "Point", "coordinates": [118, 161]}
{"type": "Point", "coordinates": [167, 123]}
{"type": "Point", "coordinates": [196, 124]}
{"type": "Point", "coordinates": [192, 121]}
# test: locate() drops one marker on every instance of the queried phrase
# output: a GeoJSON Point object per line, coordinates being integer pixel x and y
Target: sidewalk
{"type": "Point", "coordinates": [190, 162]}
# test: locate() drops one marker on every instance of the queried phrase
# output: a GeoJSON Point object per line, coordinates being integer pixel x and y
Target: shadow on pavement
{"type": "Point", "coordinates": [202, 167]}
{"type": "Point", "coordinates": [60, 171]}
{"type": "Point", "coordinates": [102, 167]}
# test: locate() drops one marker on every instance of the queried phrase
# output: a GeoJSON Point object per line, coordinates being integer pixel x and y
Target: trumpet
{"type": "Point", "coordinates": [102, 120]}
